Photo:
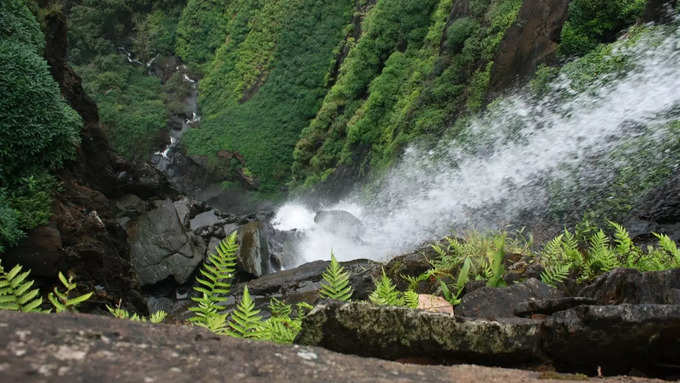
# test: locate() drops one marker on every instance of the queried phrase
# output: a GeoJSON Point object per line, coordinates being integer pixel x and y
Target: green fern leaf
{"type": "Point", "coordinates": [245, 321]}
{"type": "Point", "coordinates": [411, 299]}
{"type": "Point", "coordinates": [335, 283]}
{"type": "Point", "coordinates": [385, 292]}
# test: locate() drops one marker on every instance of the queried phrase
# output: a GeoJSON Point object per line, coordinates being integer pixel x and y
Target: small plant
{"type": "Point", "coordinates": [335, 283]}
{"type": "Point", "coordinates": [461, 281]}
{"type": "Point", "coordinates": [281, 328]}
{"type": "Point", "coordinates": [61, 300]}
{"type": "Point", "coordinates": [16, 292]}
{"type": "Point", "coordinates": [121, 313]}
{"type": "Point", "coordinates": [215, 283]}
{"type": "Point", "coordinates": [386, 294]}
{"type": "Point", "coordinates": [245, 321]}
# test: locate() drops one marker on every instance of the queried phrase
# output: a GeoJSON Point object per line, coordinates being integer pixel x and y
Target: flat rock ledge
{"type": "Point", "coordinates": [86, 348]}
{"type": "Point", "coordinates": [617, 339]}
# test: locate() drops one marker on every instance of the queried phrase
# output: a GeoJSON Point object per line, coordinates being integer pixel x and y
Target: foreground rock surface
{"type": "Point", "coordinates": [616, 338]}
{"type": "Point", "coordinates": [83, 348]}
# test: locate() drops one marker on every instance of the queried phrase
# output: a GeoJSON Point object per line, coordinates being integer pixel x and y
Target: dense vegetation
{"type": "Point", "coordinates": [38, 130]}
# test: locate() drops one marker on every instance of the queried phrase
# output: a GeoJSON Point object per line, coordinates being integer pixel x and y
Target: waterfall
{"type": "Point", "coordinates": [501, 164]}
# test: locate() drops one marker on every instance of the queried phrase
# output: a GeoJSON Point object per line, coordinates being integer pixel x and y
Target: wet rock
{"type": "Point", "coordinates": [340, 222]}
{"type": "Point", "coordinates": [160, 246]}
{"type": "Point", "coordinates": [253, 254]}
{"type": "Point", "coordinates": [495, 303]}
{"type": "Point", "coordinates": [632, 286]}
{"type": "Point", "coordinates": [393, 332]}
{"type": "Point", "coordinates": [85, 348]}
{"type": "Point", "coordinates": [617, 338]}
{"type": "Point", "coordinates": [531, 40]}
{"type": "Point", "coordinates": [205, 219]}
{"type": "Point", "coordinates": [658, 212]}
{"type": "Point", "coordinates": [413, 265]}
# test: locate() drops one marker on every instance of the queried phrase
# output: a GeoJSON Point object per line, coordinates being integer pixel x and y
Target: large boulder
{"type": "Point", "coordinates": [364, 329]}
{"type": "Point", "coordinates": [495, 303]}
{"type": "Point", "coordinates": [161, 247]}
{"type": "Point", "coordinates": [632, 286]}
{"type": "Point", "coordinates": [253, 254]}
{"type": "Point", "coordinates": [658, 212]}
{"type": "Point", "coordinates": [339, 222]}
{"type": "Point", "coordinates": [84, 348]}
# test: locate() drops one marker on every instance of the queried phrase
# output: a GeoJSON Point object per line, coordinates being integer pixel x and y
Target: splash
{"type": "Point", "coordinates": [499, 167]}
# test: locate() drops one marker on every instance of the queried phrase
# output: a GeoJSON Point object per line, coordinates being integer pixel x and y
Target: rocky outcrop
{"type": "Point", "coordinates": [658, 212]}
{"type": "Point", "coordinates": [83, 348]}
{"type": "Point", "coordinates": [614, 338]}
{"type": "Point", "coordinates": [494, 303]}
{"type": "Point", "coordinates": [161, 247]}
{"type": "Point", "coordinates": [533, 39]}
{"type": "Point", "coordinates": [340, 222]}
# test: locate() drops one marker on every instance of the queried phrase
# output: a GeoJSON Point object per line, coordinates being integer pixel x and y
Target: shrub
{"type": "Point", "coordinates": [591, 22]}
{"type": "Point", "coordinates": [458, 32]}
{"type": "Point", "coordinates": [201, 30]}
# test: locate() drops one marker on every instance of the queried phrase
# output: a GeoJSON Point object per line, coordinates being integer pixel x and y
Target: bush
{"type": "Point", "coordinates": [201, 30]}
{"type": "Point", "coordinates": [38, 129]}
{"type": "Point", "coordinates": [458, 32]}
{"type": "Point", "coordinates": [591, 22]}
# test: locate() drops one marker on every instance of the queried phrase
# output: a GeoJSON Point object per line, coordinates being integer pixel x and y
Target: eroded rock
{"type": "Point", "coordinates": [632, 286]}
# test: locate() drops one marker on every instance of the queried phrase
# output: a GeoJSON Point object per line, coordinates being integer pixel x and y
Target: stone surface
{"type": "Point", "coordinates": [40, 251]}
{"type": "Point", "coordinates": [160, 246]}
{"type": "Point", "coordinates": [253, 254]}
{"type": "Point", "coordinates": [531, 40]}
{"type": "Point", "coordinates": [130, 205]}
{"type": "Point", "coordinates": [550, 306]}
{"type": "Point", "coordinates": [395, 332]}
{"type": "Point", "coordinates": [434, 303]}
{"type": "Point", "coordinates": [658, 212]}
{"type": "Point", "coordinates": [494, 303]}
{"type": "Point", "coordinates": [340, 222]}
{"type": "Point", "coordinates": [208, 218]}
{"type": "Point", "coordinates": [632, 286]}
{"type": "Point", "coordinates": [83, 348]}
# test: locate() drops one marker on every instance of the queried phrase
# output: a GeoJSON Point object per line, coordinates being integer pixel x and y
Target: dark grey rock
{"type": "Point", "coordinates": [340, 222]}
{"type": "Point", "coordinates": [550, 306]}
{"type": "Point", "coordinates": [632, 286]}
{"type": "Point", "coordinates": [495, 303]}
{"type": "Point", "coordinates": [161, 247]}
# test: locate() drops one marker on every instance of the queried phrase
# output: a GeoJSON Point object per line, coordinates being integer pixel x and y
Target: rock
{"type": "Point", "coordinates": [617, 338]}
{"type": "Point", "coordinates": [434, 304]}
{"type": "Point", "coordinates": [658, 212]}
{"type": "Point", "coordinates": [495, 303]}
{"type": "Point", "coordinates": [183, 207]}
{"type": "Point", "coordinates": [550, 306]}
{"type": "Point", "coordinates": [130, 205]}
{"type": "Point", "coordinates": [659, 11]}
{"type": "Point", "coordinates": [531, 40]}
{"type": "Point", "coordinates": [253, 254]}
{"type": "Point", "coordinates": [632, 286]}
{"type": "Point", "coordinates": [205, 219]}
{"type": "Point", "coordinates": [413, 265]}
{"type": "Point", "coordinates": [83, 348]}
{"type": "Point", "coordinates": [340, 222]}
{"type": "Point", "coordinates": [40, 252]}
{"type": "Point", "coordinates": [387, 332]}
{"type": "Point", "coordinates": [161, 247]}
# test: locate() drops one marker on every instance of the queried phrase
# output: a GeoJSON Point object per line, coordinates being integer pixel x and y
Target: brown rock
{"type": "Point", "coordinates": [83, 348]}
{"type": "Point", "coordinates": [434, 303]}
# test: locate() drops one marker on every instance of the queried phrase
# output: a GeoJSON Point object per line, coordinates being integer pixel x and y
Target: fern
{"type": "Point", "coordinates": [386, 292]}
{"type": "Point", "coordinates": [279, 308]}
{"type": "Point", "coordinates": [61, 301]}
{"type": "Point", "coordinates": [215, 282]}
{"type": "Point", "coordinates": [303, 308]}
{"type": "Point", "coordinates": [667, 244]}
{"type": "Point", "coordinates": [335, 283]}
{"type": "Point", "coordinates": [16, 292]}
{"type": "Point", "coordinates": [158, 317]}
{"type": "Point", "coordinates": [245, 321]}
{"type": "Point", "coordinates": [411, 299]}
{"type": "Point", "coordinates": [555, 274]}
{"type": "Point", "coordinates": [497, 269]}
{"type": "Point", "coordinates": [121, 313]}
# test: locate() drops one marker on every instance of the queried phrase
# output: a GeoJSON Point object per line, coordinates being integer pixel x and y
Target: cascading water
{"type": "Point", "coordinates": [501, 164]}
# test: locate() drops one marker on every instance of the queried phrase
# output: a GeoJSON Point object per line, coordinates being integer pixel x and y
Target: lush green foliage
{"type": "Point", "coordinates": [591, 22]}
{"type": "Point", "coordinates": [16, 293]}
{"type": "Point", "coordinates": [201, 30]}
{"type": "Point", "coordinates": [38, 130]}
{"type": "Point", "coordinates": [214, 282]}
{"type": "Point", "coordinates": [335, 283]}
{"type": "Point", "coordinates": [61, 300]}
{"type": "Point", "coordinates": [266, 81]}
{"type": "Point", "coordinates": [566, 256]}
{"type": "Point", "coordinates": [396, 83]}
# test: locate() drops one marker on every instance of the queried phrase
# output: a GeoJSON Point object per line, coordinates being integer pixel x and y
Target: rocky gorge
{"type": "Point", "coordinates": [137, 233]}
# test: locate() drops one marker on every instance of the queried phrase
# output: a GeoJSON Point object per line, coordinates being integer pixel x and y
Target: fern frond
{"type": "Point", "coordinates": [215, 281]}
{"type": "Point", "coordinates": [670, 247]}
{"type": "Point", "coordinates": [279, 308]}
{"type": "Point", "coordinates": [279, 330]}
{"type": "Point", "coordinates": [16, 292]}
{"type": "Point", "coordinates": [335, 283]}
{"type": "Point", "coordinates": [245, 321]}
{"type": "Point", "coordinates": [158, 317]}
{"type": "Point", "coordinates": [61, 301]}
{"type": "Point", "coordinates": [411, 299]}
{"type": "Point", "coordinates": [497, 269]}
{"type": "Point", "coordinates": [385, 292]}
{"type": "Point", "coordinates": [555, 274]}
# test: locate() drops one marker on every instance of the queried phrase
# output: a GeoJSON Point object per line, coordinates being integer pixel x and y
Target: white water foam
{"type": "Point", "coordinates": [517, 145]}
